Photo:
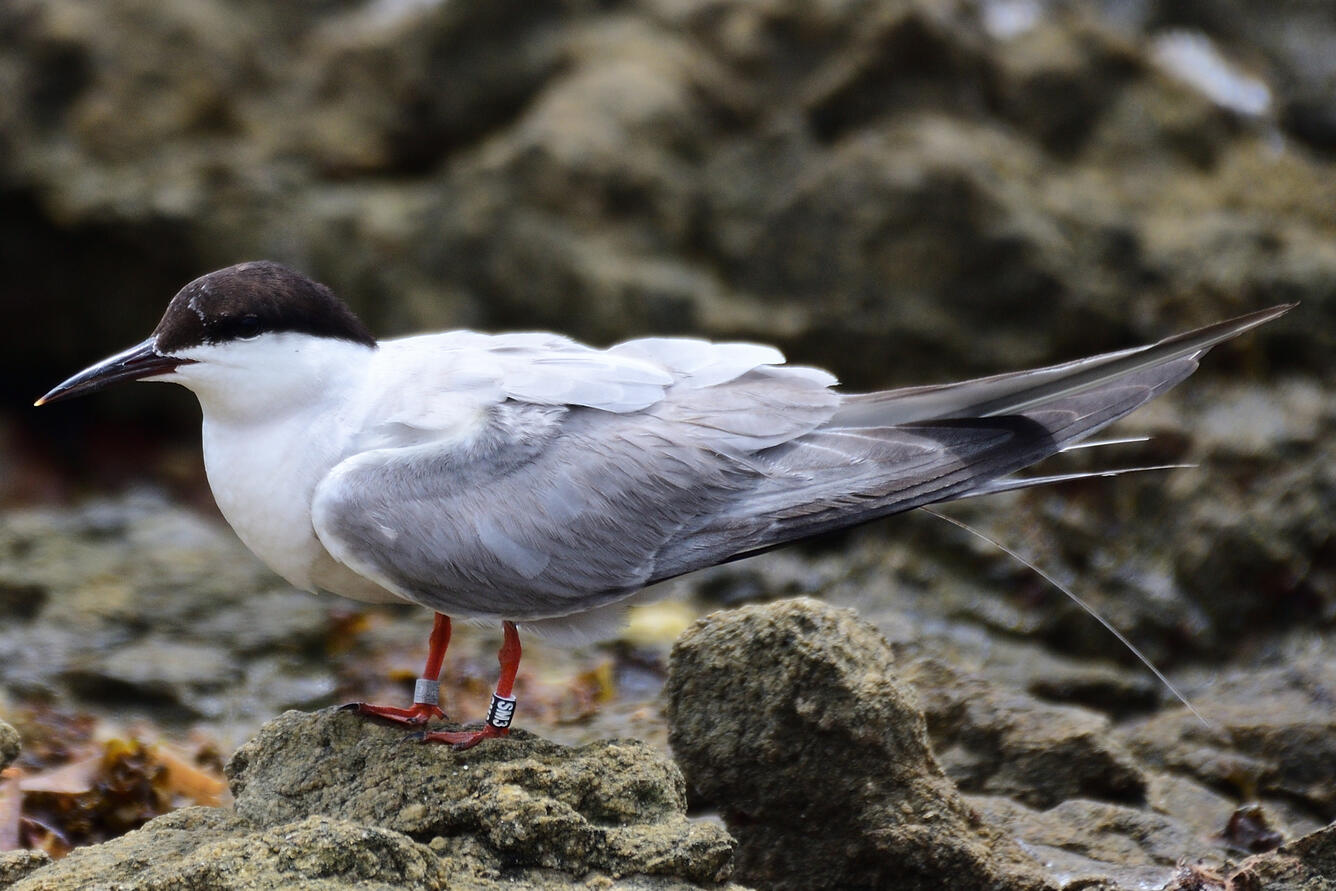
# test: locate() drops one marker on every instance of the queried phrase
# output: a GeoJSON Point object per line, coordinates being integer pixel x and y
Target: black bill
{"type": "Point", "coordinates": [140, 361]}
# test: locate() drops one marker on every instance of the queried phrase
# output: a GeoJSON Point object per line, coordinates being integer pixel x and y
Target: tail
{"type": "Point", "coordinates": [1015, 392]}
{"type": "Point", "coordinates": [892, 451]}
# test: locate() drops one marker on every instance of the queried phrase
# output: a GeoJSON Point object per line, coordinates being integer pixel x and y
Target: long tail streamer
{"type": "Point", "coordinates": [1122, 638]}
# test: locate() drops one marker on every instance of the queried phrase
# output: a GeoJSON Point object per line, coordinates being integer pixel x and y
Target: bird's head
{"type": "Point", "coordinates": [246, 334]}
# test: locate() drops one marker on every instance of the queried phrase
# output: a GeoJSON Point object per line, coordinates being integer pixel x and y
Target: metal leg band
{"type": "Point", "coordinates": [426, 692]}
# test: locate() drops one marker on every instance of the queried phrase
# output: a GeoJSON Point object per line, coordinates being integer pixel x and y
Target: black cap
{"type": "Point", "coordinates": [253, 298]}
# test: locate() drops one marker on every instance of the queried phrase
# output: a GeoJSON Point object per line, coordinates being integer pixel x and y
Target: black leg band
{"type": "Point", "coordinates": [501, 711]}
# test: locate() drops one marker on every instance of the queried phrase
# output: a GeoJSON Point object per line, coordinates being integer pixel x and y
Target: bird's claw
{"type": "Point", "coordinates": [416, 716]}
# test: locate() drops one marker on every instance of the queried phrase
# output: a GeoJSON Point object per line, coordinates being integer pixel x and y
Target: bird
{"type": "Point", "coordinates": [533, 480]}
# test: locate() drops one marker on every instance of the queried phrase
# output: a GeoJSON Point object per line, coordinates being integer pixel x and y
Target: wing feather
{"type": "Point", "coordinates": [542, 517]}
{"type": "Point", "coordinates": [529, 477]}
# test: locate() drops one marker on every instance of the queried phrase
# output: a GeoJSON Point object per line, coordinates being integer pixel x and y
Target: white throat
{"type": "Point", "coordinates": [272, 376]}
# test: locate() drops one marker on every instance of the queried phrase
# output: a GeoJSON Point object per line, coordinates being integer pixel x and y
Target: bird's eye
{"type": "Point", "coordinates": [248, 325]}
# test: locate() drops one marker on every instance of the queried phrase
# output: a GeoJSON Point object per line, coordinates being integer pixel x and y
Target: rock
{"type": "Point", "coordinates": [787, 718]}
{"type": "Point", "coordinates": [1096, 841]}
{"type": "Point", "coordinates": [1305, 864]}
{"type": "Point", "coordinates": [331, 801]}
{"type": "Point", "coordinates": [148, 607]}
{"type": "Point", "coordinates": [9, 745]}
{"type": "Point", "coordinates": [995, 741]}
{"type": "Point", "coordinates": [618, 807]}
{"type": "Point", "coordinates": [1283, 753]}
{"type": "Point", "coordinates": [206, 847]}
{"type": "Point", "coordinates": [369, 81]}
{"type": "Point", "coordinates": [14, 865]}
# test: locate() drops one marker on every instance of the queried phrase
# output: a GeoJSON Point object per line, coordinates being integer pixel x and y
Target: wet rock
{"type": "Point", "coordinates": [1199, 811]}
{"type": "Point", "coordinates": [995, 741]}
{"type": "Point", "coordinates": [1111, 842]}
{"type": "Point", "coordinates": [1284, 753]}
{"type": "Point", "coordinates": [149, 608]}
{"type": "Point", "coordinates": [787, 718]}
{"type": "Point", "coordinates": [174, 674]}
{"type": "Point", "coordinates": [9, 745]}
{"type": "Point", "coordinates": [1237, 559]}
{"type": "Point", "coordinates": [332, 801]}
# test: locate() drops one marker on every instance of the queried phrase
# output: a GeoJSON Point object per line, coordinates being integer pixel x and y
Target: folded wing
{"type": "Point", "coordinates": [574, 477]}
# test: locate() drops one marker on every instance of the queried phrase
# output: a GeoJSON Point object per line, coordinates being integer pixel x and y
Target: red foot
{"type": "Point", "coordinates": [427, 688]}
{"type": "Point", "coordinates": [464, 739]}
{"type": "Point", "coordinates": [503, 703]}
{"type": "Point", "coordinates": [416, 716]}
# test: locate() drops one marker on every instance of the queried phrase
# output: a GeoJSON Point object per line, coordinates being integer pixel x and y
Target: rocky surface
{"type": "Point", "coordinates": [905, 191]}
{"type": "Point", "coordinates": [329, 801]}
{"type": "Point", "coordinates": [1284, 754]}
{"type": "Point", "coordinates": [1080, 763]}
{"type": "Point", "coordinates": [96, 596]}
{"type": "Point", "coordinates": [871, 182]}
{"type": "Point", "coordinates": [135, 609]}
{"type": "Point", "coordinates": [1306, 864]}
{"type": "Point", "coordinates": [789, 720]}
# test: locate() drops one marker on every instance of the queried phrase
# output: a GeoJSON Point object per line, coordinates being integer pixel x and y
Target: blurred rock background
{"type": "Point", "coordinates": [903, 191]}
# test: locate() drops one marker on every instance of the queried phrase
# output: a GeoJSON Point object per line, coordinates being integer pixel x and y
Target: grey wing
{"type": "Point", "coordinates": [547, 509]}
{"type": "Point", "coordinates": [838, 476]}
{"type": "Point", "coordinates": [555, 511]}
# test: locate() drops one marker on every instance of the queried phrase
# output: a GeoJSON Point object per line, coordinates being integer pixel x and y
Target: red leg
{"type": "Point", "coordinates": [426, 694]}
{"type": "Point", "coordinates": [503, 703]}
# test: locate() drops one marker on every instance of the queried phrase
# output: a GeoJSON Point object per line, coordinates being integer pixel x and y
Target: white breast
{"type": "Point", "coordinates": [262, 478]}
{"type": "Point", "coordinates": [279, 412]}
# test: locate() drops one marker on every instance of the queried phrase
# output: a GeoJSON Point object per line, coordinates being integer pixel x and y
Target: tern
{"type": "Point", "coordinates": [535, 481]}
